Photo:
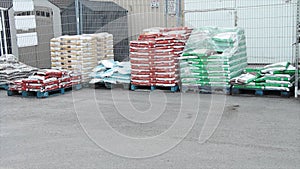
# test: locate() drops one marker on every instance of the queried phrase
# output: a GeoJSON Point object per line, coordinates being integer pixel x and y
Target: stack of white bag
{"type": "Point", "coordinates": [81, 53]}
{"type": "Point", "coordinates": [110, 71]}
{"type": "Point", "coordinates": [11, 70]}
{"type": "Point", "coordinates": [88, 46]}
{"type": "Point", "coordinates": [105, 46]}
{"type": "Point", "coordinates": [66, 53]}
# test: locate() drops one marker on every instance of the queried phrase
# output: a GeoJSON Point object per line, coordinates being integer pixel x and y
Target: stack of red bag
{"type": "Point", "coordinates": [69, 79]}
{"type": "Point", "coordinates": [46, 80]}
{"type": "Point", "coordinates": [42, 81]}
{"type": "Point", "coordinates": [154, 56]}
{"type": "Point", "coordinates": [16, 85]}
{"type": "Point", "coordinates": [141, 58]}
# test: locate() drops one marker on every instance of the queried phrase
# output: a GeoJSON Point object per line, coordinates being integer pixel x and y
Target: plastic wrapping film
{"type": "Point", "coordinates": [213, 56]}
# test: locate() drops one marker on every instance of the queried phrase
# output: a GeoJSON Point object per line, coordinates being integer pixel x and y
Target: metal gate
{"type": "Point", "coordinates": [270, 25]}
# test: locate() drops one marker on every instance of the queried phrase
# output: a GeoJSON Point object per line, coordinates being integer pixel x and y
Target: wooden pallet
{"type": "Point", "coordinates": [86, 85]}
{"type": "Point", "coordinates": [152, 88]}
{"type": "Point", "coordinates": [5, 87]}
{"type": "Point", "coordinates": [190, 88]}
{"type": "Point", "coordinates": [103, 85]}
{"type": "Point", "coordinates": [260, 92]}
{"type": "Point", "coordinates": [46, 94]}
{"type": "Point", "coordinates": [120, 85]}
{"type": "Point", "coordinates": [214, 90]}
{"type": "Point", "coordinates": [205, 89]}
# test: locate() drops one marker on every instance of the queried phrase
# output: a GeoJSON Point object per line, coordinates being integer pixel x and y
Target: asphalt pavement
{"type": "Point", "coordinates": [155, 130]}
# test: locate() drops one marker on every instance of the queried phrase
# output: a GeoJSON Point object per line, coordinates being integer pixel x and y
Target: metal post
{"type": "Point", "coordinates": [80, 18]}
{"type": "Point", "coordinates": [178, 13]}
{"type": "Point", "coordinates": [4, 32]}
{"type": "Point", "coordinates": [77, 16]}
{"type": "Point", "coordinates": [166, 13]}
{"type": "Point", "coordinates": [235, 14]}
{"type": "Point", "coordinates": [297, 51]}
{"type": "Point", "coordinates": [1, 45]}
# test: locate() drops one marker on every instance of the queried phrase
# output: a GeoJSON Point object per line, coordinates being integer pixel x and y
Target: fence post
{"type": "Point", "coordinates": [77, 16]}
{"type": "Point", "coordinates": [80, 18]}
{"type": "Point", "coordinates": [297, 92]}
{"type": "Point", "coordinates": [166, 13]}
{"type": "Point", "coordinates": [178, 13]}
{"type": "Point", "coordinates": [4, 32]}
{"type": "Point", "coordinates": [235, 14]}
{"type": "Point", "coordinates": [1, 47]}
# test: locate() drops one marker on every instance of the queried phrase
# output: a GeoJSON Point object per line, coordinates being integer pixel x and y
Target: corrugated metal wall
{"type": "Point", "coordinates": [270, 25]}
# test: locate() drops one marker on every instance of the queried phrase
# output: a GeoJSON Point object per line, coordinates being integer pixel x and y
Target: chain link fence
{"type": "Point", "coordinates": [270, 25]}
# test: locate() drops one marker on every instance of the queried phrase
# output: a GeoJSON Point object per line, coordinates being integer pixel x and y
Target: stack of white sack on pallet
{"type": "Point", "coordinates": [105, 46]}
{"type": "Point", "coordinates": [11, 70]}
{"type": "Point", "coordinates": [66, 53]}
{"type": "Point", "coordinates": [81, 53]}
{"type": "Point", "coordinates": [112, 72]}
{"type": "Point", "coordinates": [89, 56]}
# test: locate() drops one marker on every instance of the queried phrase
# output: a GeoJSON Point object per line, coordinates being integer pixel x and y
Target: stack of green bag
{"type": "Point", "coordinates": [278, 76]}
{"type": "Point", "coordinates": [213, 56]}
{"type": "Point", "coordinates": [250, 83]}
